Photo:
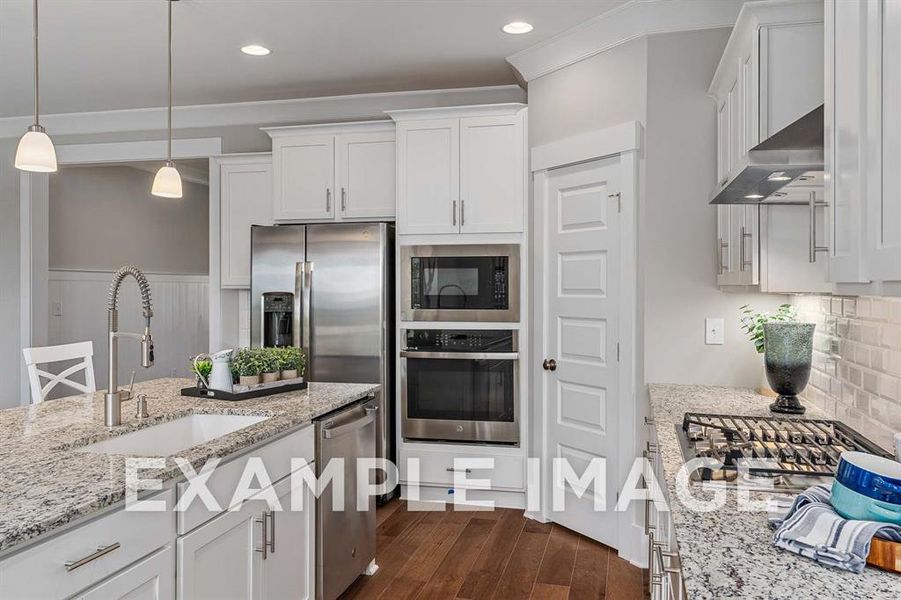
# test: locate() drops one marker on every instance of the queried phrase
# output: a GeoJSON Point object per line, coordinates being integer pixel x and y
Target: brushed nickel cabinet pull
{"type": "Point", "coordinates": [328, 200]}
{"type": "Point", "coordinates": [454, 213]}
{"type": "Point", "coordinates": [813, 229]}
{"type": "Point", "coordinates": [462, 213]}
{"type": "Point", "coordinates": [101, 551]}
{"type": "Point", "coordinates": [453, 470]}
{"type": "Point", "coordinates": [343, 200]}
{"type": "Point", "coordinates": [268, 544]}
{"type": "Point", "coordinates": [744, 262]}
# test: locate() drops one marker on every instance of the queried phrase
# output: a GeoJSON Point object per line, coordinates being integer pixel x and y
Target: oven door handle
{"type": "Point", "coordinates": [461, 355]}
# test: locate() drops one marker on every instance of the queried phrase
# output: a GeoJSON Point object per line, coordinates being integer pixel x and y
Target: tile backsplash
{"type": "Point", "coordinates": [856, 374]}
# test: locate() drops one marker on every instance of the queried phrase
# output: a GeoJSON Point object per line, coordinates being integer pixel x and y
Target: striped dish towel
{"type": "Point", "coordinates": [812, 528]}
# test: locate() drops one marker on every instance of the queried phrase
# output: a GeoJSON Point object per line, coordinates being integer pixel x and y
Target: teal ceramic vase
{"type": "Point", "coordinates": [788, 351]}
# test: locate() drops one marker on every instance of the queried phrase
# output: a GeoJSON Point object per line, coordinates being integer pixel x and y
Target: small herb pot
{"type": "Point", "coordinates": [270, 377]}
{"type": "Point", "coordinates": [249, 379]}
{"type": "Point", "coordinates": [289, 374]}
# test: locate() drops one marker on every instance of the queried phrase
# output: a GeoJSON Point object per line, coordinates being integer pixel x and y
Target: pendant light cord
{"type": "Point", "coordinates": [36, 70]}
{"type": "Point", "coordinates": [169, 145]}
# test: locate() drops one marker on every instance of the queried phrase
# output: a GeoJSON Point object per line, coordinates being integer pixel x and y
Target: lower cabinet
{"type": "Point", "coordinates": [663, 552]}
{"type": "Point", "coordinates": [256, 552]}
{"type": "Point", "coordinates": [151, 579]}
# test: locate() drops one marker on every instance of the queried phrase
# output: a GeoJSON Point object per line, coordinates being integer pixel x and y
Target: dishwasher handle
{"type": "Point", "coordinates": [334, 432]}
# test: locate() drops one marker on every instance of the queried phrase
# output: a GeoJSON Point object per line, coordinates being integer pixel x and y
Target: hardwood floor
{"type": "Point", "coordinates": [476, 555]}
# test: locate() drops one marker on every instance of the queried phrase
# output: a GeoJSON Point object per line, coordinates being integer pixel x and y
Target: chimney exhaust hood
{"type": "Point", "coordinates": [782, 169]}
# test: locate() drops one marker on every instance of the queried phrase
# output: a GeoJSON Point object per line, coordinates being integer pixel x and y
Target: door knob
{"type": "Point", "coordinates": [549, 364]}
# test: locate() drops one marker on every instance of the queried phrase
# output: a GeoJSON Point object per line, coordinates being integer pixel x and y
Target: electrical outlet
{"type": "Point", "coordinates": [714, 334]}
{"type": "Point", "coordinates": [57, 309]}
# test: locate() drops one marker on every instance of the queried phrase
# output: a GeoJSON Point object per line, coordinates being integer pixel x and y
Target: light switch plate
{"type": "Point", "coordinates": [714, 334]}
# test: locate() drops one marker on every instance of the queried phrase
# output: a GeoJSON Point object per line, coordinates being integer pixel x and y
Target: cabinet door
{"type": "Point", "coordinates": [491, 174]}
{"type": "Point", "coordinates": [289, 571]}
{"type": "Point", "coordinates": [749, 99]}
{"type": "Point", "coordinates": [304, 178]}
{"type": "Point", "coordinates": [246, 199]}
{"type": "Point", "coordinates": [785, 243]}
{"type": "Point", "coordinates": [428, 176]}
{"type": "Point", "coordinates": [884, 124]}
{"type": "Point", "coordinates": [366, 175]}
{"type": "Point", "coordinates": [722, 142]}
{"type": "Point", "coordinates": [151, 579]}
{"type": "Point", "coordinates": [791, 73]}
{"type": "Point", "coordinates": [219, 560]}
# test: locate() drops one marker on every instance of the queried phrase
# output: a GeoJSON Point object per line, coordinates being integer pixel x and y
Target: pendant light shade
{"type": "Point", "coordinates": [167, 183]}
{"type": "Point", "coordinates": [35, 152]}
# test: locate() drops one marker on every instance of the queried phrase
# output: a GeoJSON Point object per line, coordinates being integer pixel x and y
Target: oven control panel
{"type": "Point", "coordinates": [461, 340]}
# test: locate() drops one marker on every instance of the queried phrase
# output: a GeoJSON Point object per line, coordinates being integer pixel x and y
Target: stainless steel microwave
{"type": "Point", "coordinates": [460, 283]}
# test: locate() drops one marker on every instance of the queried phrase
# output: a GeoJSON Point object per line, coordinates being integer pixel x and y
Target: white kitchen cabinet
{"type": "Point", "coordinates": [245, 192]}
{"type": "Point", "coordinates": [664, 565]}
{"type": "Point", "coordinates": [366, 175]}
{"type": "Point", "coordinates": [461, 170]}
{"type": "Point", "coordinates": [333, 172]}
{"type": "Point", "coordinates": [491, 174]}
{"type": "Point", "coordinates": [225, 558]}
{"type": "Point", "coordinates": [151, 579]}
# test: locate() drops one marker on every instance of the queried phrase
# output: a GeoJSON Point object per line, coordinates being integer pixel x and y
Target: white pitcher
{"type": "Point", "coordinates": [221, 374]}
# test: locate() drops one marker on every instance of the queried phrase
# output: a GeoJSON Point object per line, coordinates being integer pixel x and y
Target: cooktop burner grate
{"type": "Point", "coordinates": [769, 446]}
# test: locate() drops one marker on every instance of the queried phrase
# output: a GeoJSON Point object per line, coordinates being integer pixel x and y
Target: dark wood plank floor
{"type": "Point", "coordinates": [476, 555]}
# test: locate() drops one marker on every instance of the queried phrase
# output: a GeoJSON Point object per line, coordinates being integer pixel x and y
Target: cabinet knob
{"type": "Point", "coordinates": [549, 364]}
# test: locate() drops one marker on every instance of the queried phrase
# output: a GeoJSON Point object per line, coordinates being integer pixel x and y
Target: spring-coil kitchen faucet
{"type": "Point", "coordinates": [112, 407]}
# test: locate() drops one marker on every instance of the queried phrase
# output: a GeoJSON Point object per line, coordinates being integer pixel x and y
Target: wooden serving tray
{"type": "Point", "coordinates": [257, 392]}
{"type": "Point", "coordinates": [885, 555]}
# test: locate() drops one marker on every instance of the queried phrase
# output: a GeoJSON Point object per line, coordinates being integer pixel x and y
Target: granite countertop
{"type": "Point", "coordinates": [46, 483]}
{"type": "Point", "coordinates": [729, 553]}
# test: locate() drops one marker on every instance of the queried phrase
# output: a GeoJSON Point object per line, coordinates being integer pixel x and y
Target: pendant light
{"type": "Point", "coordinates": [167, 183]}
{"type": "Point", "coordinates": [35, 152]}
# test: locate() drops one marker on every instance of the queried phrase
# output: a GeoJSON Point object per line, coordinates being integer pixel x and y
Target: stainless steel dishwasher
{"type": "Point", "coordinates": [345, 540]}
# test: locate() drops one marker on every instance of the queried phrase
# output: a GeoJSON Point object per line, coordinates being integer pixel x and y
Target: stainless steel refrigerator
{"type": "Point", "coordinates": [329, 289]}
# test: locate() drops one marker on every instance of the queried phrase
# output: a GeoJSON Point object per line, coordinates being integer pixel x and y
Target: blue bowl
{"type": "Point", "coordinates": [870, 475]}
{"type": "Point", "coordinates": [855, 506]}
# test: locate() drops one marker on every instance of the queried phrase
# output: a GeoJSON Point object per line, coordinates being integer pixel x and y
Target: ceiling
{"type": "Point", "coordinates": [105, 54]}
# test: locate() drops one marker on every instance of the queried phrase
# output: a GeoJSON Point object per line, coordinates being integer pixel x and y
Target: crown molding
{"type": "Point", "coordinates": [632, 20]}
{"type": "Point", "coordinates": [451, 112]}
{"type": "Point", "coordinates": [330, 128]}
{"type": "Point", "coordinates": [269, 112]}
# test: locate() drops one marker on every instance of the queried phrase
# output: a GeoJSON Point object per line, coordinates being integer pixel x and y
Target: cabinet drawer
{"type": "Point", "coordinates": [152, 579]}
{"type": "Point", "coordinates": [276, 457]}
{"type": "Point", "coordinates": [40, 572]}
{"type": "Point", "coordinates": [437, 468]}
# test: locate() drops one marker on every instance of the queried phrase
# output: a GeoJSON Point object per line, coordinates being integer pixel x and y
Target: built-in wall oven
{"type": "Point", "coordinates": [460, 283]}
{"type": "Point", "coordinates": [460, 385]}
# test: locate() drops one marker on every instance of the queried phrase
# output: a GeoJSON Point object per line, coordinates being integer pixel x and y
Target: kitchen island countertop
{"type": "Point", "coordinates": [728, 553]}
{"type": "Point", "coordinates": [47, 483]}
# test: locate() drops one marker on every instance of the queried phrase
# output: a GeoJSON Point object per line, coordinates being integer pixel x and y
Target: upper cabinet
{"type": "Point", "coordinates": [461, 170]}
{"type": "Point", "coordinates": [863, 141]}
{"type": "Point", "coordinates": [333, 172]}
{"type": "Point", "coordinates": [770, 75]}
{"type": "Point", "coordinates": [245, 199]}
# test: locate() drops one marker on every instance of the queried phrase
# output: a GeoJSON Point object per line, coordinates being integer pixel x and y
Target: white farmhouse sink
{"type": "Point", "coordinates": [173, 436]}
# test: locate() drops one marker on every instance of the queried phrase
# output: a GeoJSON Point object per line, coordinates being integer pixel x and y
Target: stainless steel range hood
{"type": "Point", "coordinates": [781, 169]}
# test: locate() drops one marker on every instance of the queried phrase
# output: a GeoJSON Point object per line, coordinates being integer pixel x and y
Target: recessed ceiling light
{"type": "Point", "coordinates": [754, 196]}
{"type": "Point", "coordinates": [779, 176]}
{"type": "Point", "coordinates": [517, 27]}
{"type": "Point", "coordinates": [255, 50]}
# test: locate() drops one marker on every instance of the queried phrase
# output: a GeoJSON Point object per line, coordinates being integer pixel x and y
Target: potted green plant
{"type": "Point", "coordinates": [752, 324]}
{"type": "Point", "coordinates": [201, 368]}
{"type": "Point", "coordinates": [290, 362]}
{"type": "Point", "coordinates": [269, 364]}
{"type": "Point", "coordinates": [246, 366]}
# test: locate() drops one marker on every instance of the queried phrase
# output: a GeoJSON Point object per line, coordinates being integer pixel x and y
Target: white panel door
{"type": "Point", "coordinates": [304, 178]}
{"type": "Point", "coordinates": [246, 199]}
{"type": "Point", "coordinates": [289, 571]}
{"type": "Point", "coordinates": [151, 579]}
{"type": "Point", "coordinates": [491, 174]}
{"type": "Point", "coordinates": [219, 561]}
{"type": "Point", "coordinates": [428, 176]}
{"type": "Point", "coordinates": [581, 274]}
{"type": "Point", "coordinates": [366, 175]}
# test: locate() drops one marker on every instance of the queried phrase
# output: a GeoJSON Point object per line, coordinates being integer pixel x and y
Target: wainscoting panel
{"type": "Point", "coordinates": [78, 311]}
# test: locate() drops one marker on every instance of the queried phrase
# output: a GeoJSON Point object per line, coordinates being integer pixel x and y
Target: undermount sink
{"type": "Point", "coordinates": [173, 436]}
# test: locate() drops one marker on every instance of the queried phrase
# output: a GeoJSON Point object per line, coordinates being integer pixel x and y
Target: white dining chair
{"type": "Point", "coordinates": [51, 354]}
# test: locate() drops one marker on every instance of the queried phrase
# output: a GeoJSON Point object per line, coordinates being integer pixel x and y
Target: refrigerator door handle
{"type": "Point", "coordinates": [306, 290]}
{"type": "Point", "coordinates": [297, 314]}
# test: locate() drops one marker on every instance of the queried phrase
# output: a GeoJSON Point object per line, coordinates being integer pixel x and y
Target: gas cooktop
{"type": "Point", "coordinates": [784, 454]}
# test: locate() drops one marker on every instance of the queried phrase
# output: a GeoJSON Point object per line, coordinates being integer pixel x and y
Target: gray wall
{"type": "Point", "coordinates": [102, 217]}
{"type": "Point", "coordinates": [10, 352]}
{"type": "Point", "coordinates": [680, 226]}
